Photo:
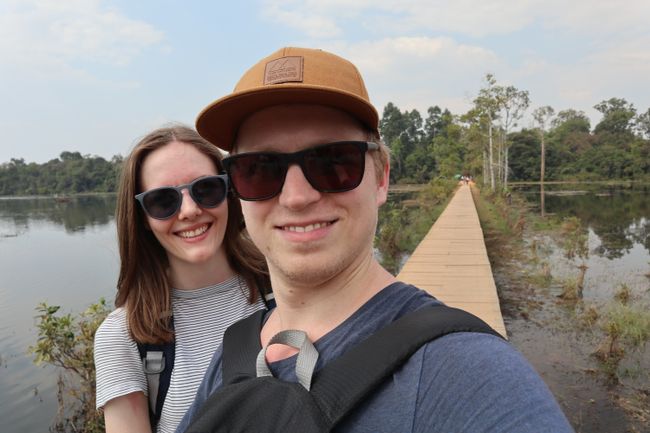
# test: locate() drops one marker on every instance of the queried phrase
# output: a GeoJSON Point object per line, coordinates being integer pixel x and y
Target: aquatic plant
{"type": "Point", "coordinates": [66, 342]}
{"type": "Point", "coordinates": [575, 238]}
{"type": "Point", "coordinates": [625, 327]}
{"type": "Point", "coordinates": [589, 316]}
{"type": "Point", "coordinates": [571, 290]}
{"type": "Point", "coordinates": [623, 294]}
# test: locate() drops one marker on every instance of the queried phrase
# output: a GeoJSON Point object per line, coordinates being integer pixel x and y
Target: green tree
{"type": "Point", "coordinates": [486, 112]}
{"type": "Point", "coordinates": [512, 103]}
{"type": "Point", "coordinates": [525, 164]}
{"type": "Point", "coordinates": [643, 124]}
{"type": "Point", "coordinates": [568, 141]}
{"type": "Point", "coordinates": [434, 123]}
{"type": "Point", "coordinates": [405, 135]}
{"type": "Point", "coordinates": [70, 173]}
{"type": "Point", "coordinates": [617, 116]}
{"type": "Point", "coordinates": [542, 116]}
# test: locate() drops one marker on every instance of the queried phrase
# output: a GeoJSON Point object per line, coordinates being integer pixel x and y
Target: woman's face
{"type": "Point", "coordinates": [194, 235]}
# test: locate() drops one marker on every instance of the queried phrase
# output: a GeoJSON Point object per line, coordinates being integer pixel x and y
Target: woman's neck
{"type": "Point", "coordinates": [188, 276]}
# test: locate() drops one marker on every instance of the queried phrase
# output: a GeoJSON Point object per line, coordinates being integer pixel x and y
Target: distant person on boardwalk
{"type": "Point", "coordinates": [184, 257]}
{"type": "Point", "coordinates": [311, 170]}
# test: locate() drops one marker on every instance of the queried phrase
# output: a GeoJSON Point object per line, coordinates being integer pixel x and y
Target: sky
{"type": "Point", "coordinates": [95, 76]}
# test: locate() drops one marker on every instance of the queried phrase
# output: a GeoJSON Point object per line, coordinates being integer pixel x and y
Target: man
{"type": "Point", "coordinates": [308, 164]}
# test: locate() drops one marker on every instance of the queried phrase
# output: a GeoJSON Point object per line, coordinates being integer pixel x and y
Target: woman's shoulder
{"type": "Point", "coordinates": [114, 324]}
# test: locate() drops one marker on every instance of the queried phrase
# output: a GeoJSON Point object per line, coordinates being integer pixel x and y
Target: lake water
{"type": "Point", "coordinates": [60, 253]}
{"type": "Point", "coordinates": [66, 254]}
{"type": "Point", "coordinates": [552, 333]}
{"type": "Point", "coordinates": [617, 220]}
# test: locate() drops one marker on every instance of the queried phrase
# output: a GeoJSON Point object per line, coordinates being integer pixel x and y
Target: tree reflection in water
{"type": "Point", "coordinates": [619, 216]}
{"type": "Point", "coordinates": [74, 215]}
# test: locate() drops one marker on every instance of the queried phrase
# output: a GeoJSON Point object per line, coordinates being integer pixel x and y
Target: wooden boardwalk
{"type": "Point", "coordinates": [452, 264]}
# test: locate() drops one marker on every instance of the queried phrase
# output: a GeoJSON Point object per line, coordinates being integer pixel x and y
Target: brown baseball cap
{"type": "Point", "coordinates": [288, 76]}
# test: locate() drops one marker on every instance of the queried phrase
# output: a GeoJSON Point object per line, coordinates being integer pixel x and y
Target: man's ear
{"type": "Point", "coordinates": [382, 187]}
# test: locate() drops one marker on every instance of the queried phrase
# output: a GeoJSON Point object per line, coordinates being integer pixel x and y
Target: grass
{"type": "Point", "coordinates": [623, 294]}
{"type": "Point", "coordinates": [624, 327]}
{"type": "Point", "coordinates": [631, 323]}
{"type": "Point", "coordinates": [502, 217]}
{"type": "Point", "coordinates": [590, 316]}
{"type": "Point", "coordinates": [541, 278]}
{"type": "Point", "coordinates": [571, 290]}
{"type": "Point", "coordinates": [404, 224]}
{"type": "Point", "coordinates": [575, 238]}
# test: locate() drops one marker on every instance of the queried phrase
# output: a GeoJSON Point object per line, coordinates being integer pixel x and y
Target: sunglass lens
{"type": "Point", "coordinates": [257, 176]}
{"type": "Point", "coordinates": [209, 192]}
{"type": "Point", "coordinates": [336, 167]}
{"type": "Point", "coordinates": [161, 203]}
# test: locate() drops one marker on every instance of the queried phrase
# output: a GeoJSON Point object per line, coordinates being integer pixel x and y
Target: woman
{"type": "Point", "coordinates": [183, 255]}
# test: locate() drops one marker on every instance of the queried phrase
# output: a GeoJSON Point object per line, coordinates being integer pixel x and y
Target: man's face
{"type": "Point", "coordinates": [310, 237]}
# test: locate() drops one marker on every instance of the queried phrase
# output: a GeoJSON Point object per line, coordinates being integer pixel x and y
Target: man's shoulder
{"type": "Point", "coordinates": [470, 349]}
{"type": "Point", "coordinates": [397, 299]}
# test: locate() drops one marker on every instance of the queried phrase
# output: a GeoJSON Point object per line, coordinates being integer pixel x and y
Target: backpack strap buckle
{"type": "Point", "coordinates": [153, 362]}
{"type": "Point", "coordinates": [305, 363]}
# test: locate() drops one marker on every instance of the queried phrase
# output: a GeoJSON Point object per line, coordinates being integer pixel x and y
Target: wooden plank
{"type": "Point", "coordinates": [452, 263]}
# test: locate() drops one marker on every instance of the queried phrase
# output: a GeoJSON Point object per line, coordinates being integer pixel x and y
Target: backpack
{"type": "Point", "coordinates": [252, 404]}
{"type": "Point", "coordinates": [158, 363]}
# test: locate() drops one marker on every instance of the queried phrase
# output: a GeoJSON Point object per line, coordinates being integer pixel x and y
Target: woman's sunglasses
{"type": "Point", "coordinates": [162, 203]}
{"type": "Point", "coordinates": [333, 167]}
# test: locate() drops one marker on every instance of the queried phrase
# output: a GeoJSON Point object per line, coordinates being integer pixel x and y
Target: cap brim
{"type": "Point", "coordinates": [218, 123]}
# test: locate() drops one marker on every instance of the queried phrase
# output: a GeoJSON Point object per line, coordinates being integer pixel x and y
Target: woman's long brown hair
{"type": "Point", "coordinates": [143, 285]}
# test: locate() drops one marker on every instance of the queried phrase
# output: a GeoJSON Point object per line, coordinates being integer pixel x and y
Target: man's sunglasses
{"type": "Point", "coordinates": [162, 203]}
{"type": "Point", "coordinates": [333, 167]}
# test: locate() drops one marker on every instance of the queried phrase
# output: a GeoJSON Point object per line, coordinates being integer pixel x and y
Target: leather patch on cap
{"type": "Point", "coordinates": [283, 70]}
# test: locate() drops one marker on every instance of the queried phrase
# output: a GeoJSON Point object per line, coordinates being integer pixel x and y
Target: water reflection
{"type": "Point", "coordinates": [60, 252]}
{"type": "Point", "coordinates": [74, 214]}
{"type": "Point", "coordinates": [619, 216]}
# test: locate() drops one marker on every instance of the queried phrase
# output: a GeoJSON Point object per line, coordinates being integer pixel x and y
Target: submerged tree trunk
{"type": "Point", "coordinates": [542, 168]}
{"type": "Point", "coordinates": [491, 157]}
{"type": "Point", "coordinates": [505, 166]}
{"type": "Point", "coordinates": [485, 166]}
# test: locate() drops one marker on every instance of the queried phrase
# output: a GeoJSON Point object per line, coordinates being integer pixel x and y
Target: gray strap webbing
{"type": "Point", "coordinates": [307, 356]}
{"type": "Point", "coordinates": [153, 364]}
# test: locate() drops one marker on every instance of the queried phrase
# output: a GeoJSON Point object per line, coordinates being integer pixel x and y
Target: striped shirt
{"type": "Point", "coordinates": [200, 318]}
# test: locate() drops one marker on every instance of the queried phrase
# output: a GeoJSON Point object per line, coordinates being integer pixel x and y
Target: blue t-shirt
{"type": "Point", "coordinates": [462, 382]}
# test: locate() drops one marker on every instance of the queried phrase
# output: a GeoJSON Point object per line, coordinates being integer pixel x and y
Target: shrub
{"type": "Point", "coordinates": [66, 342]}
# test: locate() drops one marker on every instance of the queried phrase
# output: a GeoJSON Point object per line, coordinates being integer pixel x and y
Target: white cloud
{"type": "Point", "coordinates": [611, 18]}
{"type": "Point", "coordinates": [469, 17]}
{"type": "Point", "coordinates": [418, 72]}
{"type": "Point", "coordinates": [313, 24]}
{"type": "Point", "coordinates": [58, 34]}
{"type": "Point", "coordinates": [603, 48]}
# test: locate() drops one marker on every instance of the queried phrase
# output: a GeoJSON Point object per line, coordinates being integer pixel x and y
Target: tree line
{"type": "Point", "coordinates": [483, 143]}
{"type": "Point", "coordinates": [71, 173]}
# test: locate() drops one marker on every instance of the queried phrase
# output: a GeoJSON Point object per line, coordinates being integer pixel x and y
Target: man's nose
{"type": "Point", "coordinates": [297, 192]}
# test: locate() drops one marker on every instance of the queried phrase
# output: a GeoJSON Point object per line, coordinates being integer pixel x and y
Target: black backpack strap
{"type": "Point", "coordinates": [157, 363]}
{"type": "Point", "coordinates": [241, 344]}
{"type": "Point", "coordinates": [344, 382]}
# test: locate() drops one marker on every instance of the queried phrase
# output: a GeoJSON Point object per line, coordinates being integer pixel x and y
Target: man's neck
{"type": "Point", "coordinates": [318, 308]}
